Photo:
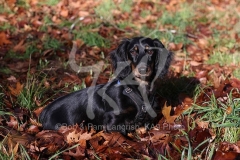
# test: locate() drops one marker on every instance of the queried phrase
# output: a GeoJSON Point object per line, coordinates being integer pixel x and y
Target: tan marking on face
{"type": "Point", "coordinates": [133, 67]}
{"type": "Point", "coordinates": [135, 48]}
{"type": "Point", "coordinates": [147, 47]}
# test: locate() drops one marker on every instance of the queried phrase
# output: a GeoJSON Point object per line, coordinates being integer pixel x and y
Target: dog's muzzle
{"type": "Point", "coordinates": [143, 70]}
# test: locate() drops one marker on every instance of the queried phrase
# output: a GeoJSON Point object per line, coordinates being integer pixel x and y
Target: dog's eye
{"type": "Point", "coordinates": [133, 52]}
{"type": "Point", "coordinates": [150, 52]}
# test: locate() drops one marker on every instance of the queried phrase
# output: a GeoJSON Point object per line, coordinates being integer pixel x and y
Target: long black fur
{"type": "Point", "coordinates": [72, 108]}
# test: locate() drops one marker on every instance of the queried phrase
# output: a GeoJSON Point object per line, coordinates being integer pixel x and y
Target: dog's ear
{"type": "Point", "coordinates": [163, 59]}
{"type": "Point", "coordinates": [119, 59]}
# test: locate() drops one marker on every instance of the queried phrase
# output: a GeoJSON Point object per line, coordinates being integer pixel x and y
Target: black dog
{"type": "Point", "coordinates": [124, 103]}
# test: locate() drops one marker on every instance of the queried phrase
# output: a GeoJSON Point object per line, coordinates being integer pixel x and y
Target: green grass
{"type": "Point", "coordinates": [104, 10]}
{"type": "Point", "coordinates": [126, 23]}
{"type": "Point", "coordinates": [5, 70]}
{"type": "Point", "coordinates": [4, 8]}
{"type": "Point", "coordinates": [46, 22]}
{"type": "Point", "coordinates": [91, 37]}
{"type": "Point", "coordinates": [145, 13]}
{"type": "Point", "coordinates": [219, 41]}
{"type": "Point", "coordinates": [1, 97]}
{"type": "Point", "coordinates": [224, 58]}
{"type": "Point", "coordinates": [224, 122]}
{"type": "Point", "coordinates": [79, 87]}
{"type": "Point", "coordinates": [43, 63]}
{"type": "Point", "coordinates": [94, 39]}
{"type": "Point", "coordinates": [236, 73]}
{"type": "Point", "coordinates": [126, 6]}
{"type": "Point", "coordinates": [31, 49]}
{"type": "Point", "coordinates": [51, 43]}
{"type": "Point", "coordinates": [174, 23]}
{"type": "Point", "coordinates": [180, 19]}
{"type": "Point", "coordinates": [6, 153]}
{"type": "Point", "coordinates": [49, 2]}
{"type": "Point", "coordinates": [223, 117]}
{"type": "Point", "coordinates": [33, 89]}
{"type": "Point", "coordinates": [7, 26]}
{"type": "Point", "coordinates": [65, 23]}
{"type": "Point", "coordinates": [165, 36]}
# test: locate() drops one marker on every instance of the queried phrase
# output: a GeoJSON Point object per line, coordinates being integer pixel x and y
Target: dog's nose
{"type": "Point", "coordinates": [142, 70]}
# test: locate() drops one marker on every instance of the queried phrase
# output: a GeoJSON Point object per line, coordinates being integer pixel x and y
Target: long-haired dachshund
{"type": "Point", "coordinates": [124, 103]}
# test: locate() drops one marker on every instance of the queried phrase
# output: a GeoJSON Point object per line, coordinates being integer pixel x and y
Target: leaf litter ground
{"type": "Point", "coordinates": [199, 98]}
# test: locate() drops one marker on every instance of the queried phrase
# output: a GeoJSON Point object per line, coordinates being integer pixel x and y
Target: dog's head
{"type": "Point", "coordinates": [144, 58]}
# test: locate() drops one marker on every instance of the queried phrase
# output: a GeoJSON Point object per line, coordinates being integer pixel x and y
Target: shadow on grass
{"type": "Point", "coordinates": [174, 90]}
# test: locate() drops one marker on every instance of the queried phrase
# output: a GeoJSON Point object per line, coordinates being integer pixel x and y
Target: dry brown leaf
{"type": "Point", "coordinates": [157, 136]}
{"type": "Point", "coordinates": [16, 91]}
{"type": "Point", "coordinates": [166, 110]}
{"type": "Point", "coordinates": [77, 153]}
{"type": "Point", "coordinates": [202, 43]}
{"type": "Point", "coordinates": [13, 123]}
{"type": "Point", "coordinates": [73, 137]}
{"type": "Point", "coordinates": [19, 66]}
{"type": "Point", "coordinates": [227, 151]}
{"type": "Point", "coordinates": [79, 42]}
{"type": "Point", "coordinates": [35, 123]}
{"type": "Point", "coordinates": [3, 18]}
{"type": "Point", "coordinates": [229, 110]}
{"type": "Point", "coordinates": [166, 113]}
{"type": "Point", "coordinates": [202, 124]}
{"type": "Point", "coordinates": [20, 47]}
{"type": "Point", "coordinates": [235, 83]}
{"type": "Point", "coordinates": [195, 63]}
{"type": "Point", "coordinates": [76, 134]}
{"type": "Point", "coordinates": [175, 47]}
{"type": "Point", "coordinates": [15, 149]}
{"type": "Point", "coordinates": [83, 13]}
{"type": "Point", "coordinates": [33, 129]}
{"type": "Point", "coordinates": [48, 141]}
{"type": "Point", "coordinates": [38, 111]}
{"type": "Point", "coordinates": [88, 80]}
{"type": "Point", "coordinates": [12, 78]}
{"type": "Point", "coordinates": [11, 3]}
{"type": "Point", "coordinates": [177, 68]}
{"type": "Point", "coordinates": [64, 12]}
{"type": "Point", "coordinates": [213, 76]}
{"type": "Point", "coordinates": [4, 39]}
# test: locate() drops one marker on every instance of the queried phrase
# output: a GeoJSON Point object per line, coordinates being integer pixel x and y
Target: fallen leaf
{"type": "Point", "coordinates": [73, 137]}
{"type": "Point", "coordinates": [48, 142]}
{"type": "Point", "coordinates": [4, 39]}
{"type": "Point", "coordinates": [88, 80]}
{"type": "Point", "coordinates": [20, 47]}
{"type": "Point", "coordinates": [13, 123]}
{"type": "Point", "coordinates": [175, 47]}
{"type": "Point", "coordinates": [202, 124]}
{"type": "Point", "coordinates": [33, 129]}
{"type": "Point", "coordinates": [83, 13]}
{"type": "Point", "coordinates": [227, 151]}
{"type": "Point", "coordinates": [3, 18]}
{"type": "Point", "coordinates": [16, 91]}
{"type": "Point", "coordinates": [229, 110]}
{"type": "Point", "coordinates": [78, 152]}
{"type": "Point", "coordinates": [15, 149]}
{"type": "Point", "coordinates": [11, 3]}
{"type": "Point", "coordinates": [12, 78]}
{"type": "Point", "coordinates": [202, 43]}
{"type": "Point", "coordinates": [195, 63]}
{"type": "Point", "coordinates": [198, 135]}
{"type": "Point", "coordinates": [166, 113]}
{"type": "Point", "coordinates": [64, 12]}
